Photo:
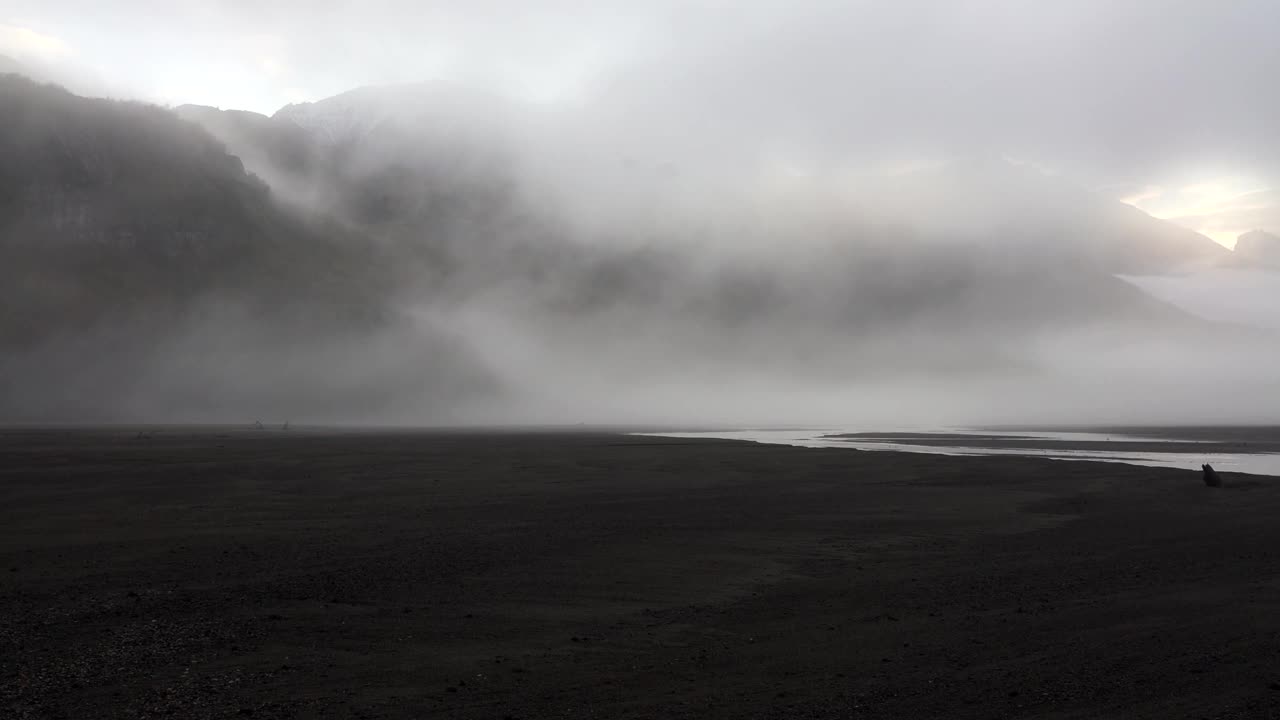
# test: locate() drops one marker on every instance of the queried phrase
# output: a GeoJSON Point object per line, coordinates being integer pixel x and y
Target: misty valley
{"type": "Point", "coordinates": [663, 360]}
{"type": "Point", "coordinates": [423, 254]}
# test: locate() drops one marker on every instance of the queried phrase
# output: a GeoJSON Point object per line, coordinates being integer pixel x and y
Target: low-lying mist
{"type": "Point", "coordinates": [401, 255]}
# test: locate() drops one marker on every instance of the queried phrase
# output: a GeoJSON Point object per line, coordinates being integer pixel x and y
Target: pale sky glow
{"type": "Point", "coordinates": [23, 42]}
{"type": "Point", "coordinates": [1222, 208]}
{"type": "Point", "coordinates": [1125, 96]}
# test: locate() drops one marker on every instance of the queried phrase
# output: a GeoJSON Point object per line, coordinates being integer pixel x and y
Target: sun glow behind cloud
{"type": "Point", "coordinates": [26, 44]}
{"type": "Point", "coordinates": [1221, 208]}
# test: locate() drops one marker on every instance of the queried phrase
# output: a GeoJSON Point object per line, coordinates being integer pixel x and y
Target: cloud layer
{"type": "Point", "coordinates": [1167, 93]}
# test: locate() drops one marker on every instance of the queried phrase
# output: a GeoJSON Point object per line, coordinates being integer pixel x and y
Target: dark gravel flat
{"type": "Point", "coordinates": [212, 574]}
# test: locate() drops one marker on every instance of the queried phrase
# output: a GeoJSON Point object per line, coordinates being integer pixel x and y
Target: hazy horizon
{"type": "Point", "coordinates": [686, 212]}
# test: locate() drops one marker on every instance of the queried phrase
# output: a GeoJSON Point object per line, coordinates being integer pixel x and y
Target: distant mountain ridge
{"type": "Point", "coordinates": [429, 109]}
{"type": "Point", "coordinates": [331, 264]}
{"type": "Point", "coordinates": [1018, 208]}
{"type": "Point", "coordinates": [144, 271]}
{"type": "Point", "coordinates": [131, 184]}
{"type": "Point", "coordinates": [477, 138]}
{"type": "Point", "coordinates": [9, 65]}
{"type": "Point", "coordinates": [278, 151]}
{"type": "Point", "coordinates": [1258, 248]}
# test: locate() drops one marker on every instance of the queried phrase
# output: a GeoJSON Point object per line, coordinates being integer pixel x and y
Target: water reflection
{"type": "Point", "coordinates": [1178, 448]}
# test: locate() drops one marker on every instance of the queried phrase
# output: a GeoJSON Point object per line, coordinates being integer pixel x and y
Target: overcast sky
{"type": "Point", "coordinates": [1170, 104]}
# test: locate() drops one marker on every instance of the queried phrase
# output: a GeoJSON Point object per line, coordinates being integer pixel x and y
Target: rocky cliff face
{"type": "Point", "coordinates": [94, 171]}
{"type": "Point", "coordinates": [145, 272]}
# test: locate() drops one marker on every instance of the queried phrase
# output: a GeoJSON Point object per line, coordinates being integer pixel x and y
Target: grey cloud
{"type": "Point", "coordinates": [1128, 90]}
{"type": "Point", "coordinates": [1109, 91]}
{"type": "Point", "coordinates": [1262, 210]}
{"type": "Point", "coordinates": [685, 115]}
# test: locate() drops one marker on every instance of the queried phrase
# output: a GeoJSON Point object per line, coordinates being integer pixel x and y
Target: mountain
{"type": "Point", "coordinates": [144, 198]}
{"type": "Point", "coordinates": [10, 66]}
{"type": "Point", "coordinates": [433, 112]}
{"type": "Point", "coordinates": [146, 272]}
{"type": "Point", "coordinates": [1257, 248]}
{"type": "Point", "coordinates": [413, 166]}
{"type": "Point", "coordinates": [443, 171]}
{"type": "Point", "coordinates": [278, 151]}
{"type": "Point", "coordinates": [383, 255]}
{"type": "Point", "coordinates": [1021, 210]}
{"type": "Point", "coordinates": [398, 158]}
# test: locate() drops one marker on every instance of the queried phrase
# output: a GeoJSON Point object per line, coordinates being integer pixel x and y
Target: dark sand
{"type": "Point", "coordinates": [298, 575]}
